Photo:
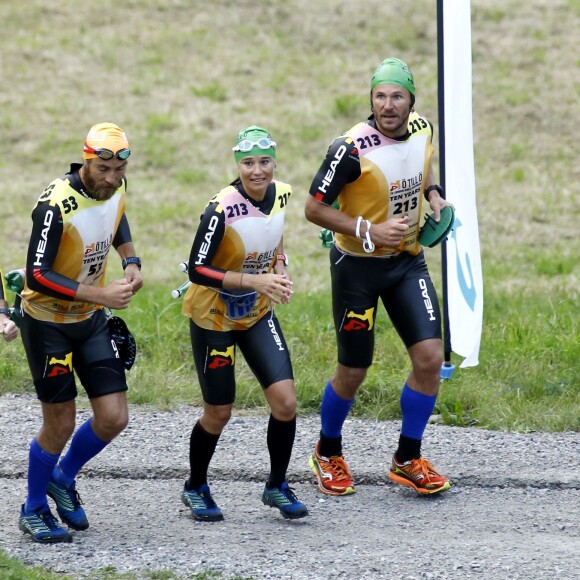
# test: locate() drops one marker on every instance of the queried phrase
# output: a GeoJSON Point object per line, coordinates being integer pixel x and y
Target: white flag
{"type": "Point", "coordinates": [464, 276]}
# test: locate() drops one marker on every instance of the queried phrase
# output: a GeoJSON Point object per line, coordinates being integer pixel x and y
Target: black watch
{"type": "Point", "coordinates": [133, 260]}
{"type": "Point", "coordinates": [437, 188]}
{"type": "Point", "coordinates": [5, 311]}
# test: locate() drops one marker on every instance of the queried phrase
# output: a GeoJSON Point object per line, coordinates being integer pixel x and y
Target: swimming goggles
{"type": "Point", "coordinates": [107, 154]}
{"type": "Point", "coordinates": [247, 145]}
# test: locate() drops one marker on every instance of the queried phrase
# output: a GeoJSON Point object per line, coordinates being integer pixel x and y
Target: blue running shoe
{"type": "Point", "coordinates": [68, 505]}
{"type": "Point", "coordinates": [202, 505]}
{"type": "Point", "coordinates": [43, 527]}
{"type": "Point", "coordinates": [284, 499]}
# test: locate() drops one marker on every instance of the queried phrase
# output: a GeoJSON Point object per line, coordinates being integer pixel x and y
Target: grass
{"type": "Point", "coordinates": [527, 379]}
{"type": "Point", "coordinates": [183, 82]}
{"type": "Point", "coordinates": [12, 569]}
{"type": "Point", "coordinates": [183, 77]}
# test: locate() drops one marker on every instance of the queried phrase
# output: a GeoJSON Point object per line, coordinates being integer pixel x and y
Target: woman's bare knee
{"type": "Point", "coordinates": [282, 400]}
{"type": "Point", "coordinates": [215, 417]}
{"type": "Point", "coordinates": [284, 409]}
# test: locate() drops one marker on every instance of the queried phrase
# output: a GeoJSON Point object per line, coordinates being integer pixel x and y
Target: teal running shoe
{"type": "Point", "coordinates": [43, 526]}
{"type": "Point", "coordinates": [202, 505]}
{"type": "Point", "coordinates": [68, 505]}
{"type": "Point", "coordinates": [285, 500]}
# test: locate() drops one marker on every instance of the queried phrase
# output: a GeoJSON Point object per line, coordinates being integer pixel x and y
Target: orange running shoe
{"type": "Point", "coordinates": [418, 474]}
{"type": "Point", "coordinates": [332, 473]}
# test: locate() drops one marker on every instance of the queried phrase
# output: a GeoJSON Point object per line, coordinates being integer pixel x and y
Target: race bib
{"type": "Point", "coordinates": [239, 303]}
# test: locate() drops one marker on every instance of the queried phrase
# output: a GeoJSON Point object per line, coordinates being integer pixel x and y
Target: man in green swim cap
{"type": "Point", "coordinates": [370, 190]}
{"type": "Point", "coordinates": [393, 71]}
{"type": "Point", "coordinates": [397, 91]}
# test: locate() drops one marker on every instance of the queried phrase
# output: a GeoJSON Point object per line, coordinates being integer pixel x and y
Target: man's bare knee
{"type": "Point", "coordinates": [346, 381]}
{"type": "Point", "coordinates": [109, 426]}
{"type": "Point", "coordinates": [58, 425]}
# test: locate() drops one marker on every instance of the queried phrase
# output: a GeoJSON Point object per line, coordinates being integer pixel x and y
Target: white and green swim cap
{"type": "Point", "coordinates": [254, 140]}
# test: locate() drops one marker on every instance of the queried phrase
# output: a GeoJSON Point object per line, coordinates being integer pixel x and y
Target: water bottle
{"type": "Point", "coordinates": [15, 279]}
{"type": "Point", "coordinates": [178, 292]}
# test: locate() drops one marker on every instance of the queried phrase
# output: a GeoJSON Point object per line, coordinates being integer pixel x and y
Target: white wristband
{"type": "Point", "coordinates": [368, 245]}
{"type": "Point", "coordinates": [358, 223]}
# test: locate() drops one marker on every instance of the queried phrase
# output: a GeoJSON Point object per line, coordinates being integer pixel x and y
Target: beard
{"type": "Point", "coordinates": [100, 192]}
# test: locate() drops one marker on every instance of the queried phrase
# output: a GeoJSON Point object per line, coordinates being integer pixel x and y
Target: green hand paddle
{"type": "Point", "coordinates": [432, 232]}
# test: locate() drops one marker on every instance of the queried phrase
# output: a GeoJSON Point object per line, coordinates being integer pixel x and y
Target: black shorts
{"type": "Point", "coordinates": [54, 350]}
{"type": "Point", "coordinates": [214, 354]}
{"type": "Point", "coordinates": [404, 286]}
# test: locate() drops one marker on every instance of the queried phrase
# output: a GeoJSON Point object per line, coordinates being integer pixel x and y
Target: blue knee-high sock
{"type": "Point", "coordinates": [40, 466]}
{"type": "Point", "coordinates": [416, 409]}
{"type": "Point", "coordinates": [333, 412]}
{"type": "Point", "coordinates": [83, 447]}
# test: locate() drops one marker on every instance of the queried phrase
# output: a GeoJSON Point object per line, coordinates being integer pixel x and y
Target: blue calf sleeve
{"type": "Point", "coordinates": [40, 466]}
{"type": "Point", "coordinates": [333, 412]}
{"type": "Point", "coordinates": [84, 446]}
{"type": "Point", "coordinates": [416, 408]}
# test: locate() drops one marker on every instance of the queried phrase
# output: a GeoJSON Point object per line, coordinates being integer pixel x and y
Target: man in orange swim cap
{"type": "Point", "coordinates": [76, 221]}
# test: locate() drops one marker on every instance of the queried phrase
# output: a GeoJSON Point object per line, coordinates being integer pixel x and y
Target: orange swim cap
{"type": "Point", "coordinates": [104, 136]}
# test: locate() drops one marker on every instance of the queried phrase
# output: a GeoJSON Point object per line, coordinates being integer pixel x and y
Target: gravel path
{"type": "Point", "coordinates": [513, 512]}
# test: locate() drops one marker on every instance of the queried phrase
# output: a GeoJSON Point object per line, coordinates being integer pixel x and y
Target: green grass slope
{"type": "Point", "coordinates": [182, 77]}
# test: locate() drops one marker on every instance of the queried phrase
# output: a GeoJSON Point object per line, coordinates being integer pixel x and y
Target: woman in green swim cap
{"type": "Point", "coordinates": [238, 270]}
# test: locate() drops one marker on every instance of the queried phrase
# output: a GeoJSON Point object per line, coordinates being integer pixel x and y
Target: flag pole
{"type": "Point", "coordinates": [447, 368]}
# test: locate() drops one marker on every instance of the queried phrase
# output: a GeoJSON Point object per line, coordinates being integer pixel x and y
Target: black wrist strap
{"type": "Point", "coordinates": [437, 188]}
{"type": "Point", "coordinates": [132, 260]}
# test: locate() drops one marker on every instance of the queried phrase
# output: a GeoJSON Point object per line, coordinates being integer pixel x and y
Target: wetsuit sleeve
{"type": "Point", "coordinates": [340, 166]}
{"type": "Point", "coordinates": [123, 233]}
{"type": "Point", "coordinates": [207, 240]}
{"type": "Point", "coordinates": [45, 239]}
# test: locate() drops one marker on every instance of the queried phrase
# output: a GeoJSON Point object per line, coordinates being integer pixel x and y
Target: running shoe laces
{"type": "Point", "coordinates": [43, 526]}
{"type": "Point", "coordinates": [202, 505]}
{"type": "Point", "coordinates": [285, 500]}
{"type": "Point", "coordinates": [68, 505]}
{"type": "Point", "coordinates": [332, 473]}
{"type": "Point", "coordinates": [337, 469]}
{"type": "Point", "coordinates": [418, 474]}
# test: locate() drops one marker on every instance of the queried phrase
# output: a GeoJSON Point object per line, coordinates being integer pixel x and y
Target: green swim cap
{"type": "Point", "coordinates": [393, 71]}
{"type": "Point", "coordinates": [254, 140]}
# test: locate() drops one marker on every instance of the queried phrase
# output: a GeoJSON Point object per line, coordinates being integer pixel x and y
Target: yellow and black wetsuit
{"type": "Point", "coordinates": [72, 234]}
{"type": "Point", "coordinates": [378, 178]}
{"type": "Point", "coordinates": [236, 233]}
